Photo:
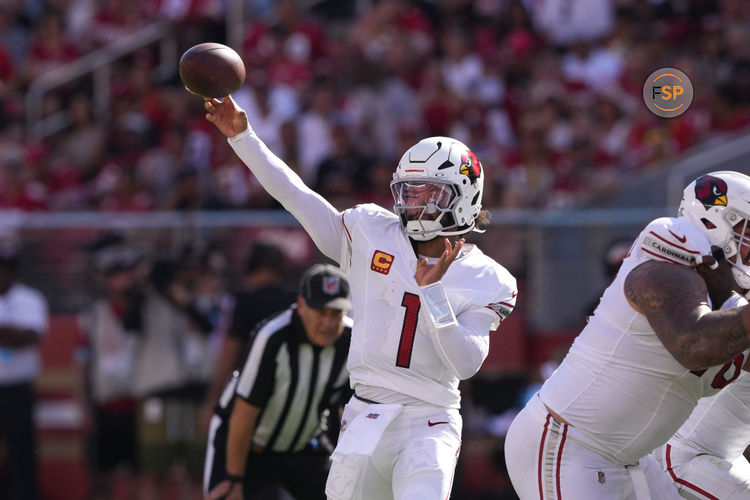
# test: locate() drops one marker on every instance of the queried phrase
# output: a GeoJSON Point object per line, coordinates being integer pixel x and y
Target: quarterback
{"type": "Point", "coordinates": [659, 340]}
{"type": "Point", "coordinates": [424, 303]}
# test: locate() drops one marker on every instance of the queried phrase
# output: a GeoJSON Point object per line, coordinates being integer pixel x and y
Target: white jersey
{"type": "Point", "coordinates": [618, 385]}
{"type": "Point", "coordinates": [393, 340]}
{"type": "Point", "coordinates": [397, 354]}
{"type": "Point", "coordinates": [24, 308]}
{"type": "Point", "coordinates": [719, 425]}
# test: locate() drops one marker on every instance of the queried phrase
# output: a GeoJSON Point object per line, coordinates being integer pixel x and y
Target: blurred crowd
{"type": "Point", "coordinates": [546, 92]}
{"type": "Point", "coordinates": [153, 333]}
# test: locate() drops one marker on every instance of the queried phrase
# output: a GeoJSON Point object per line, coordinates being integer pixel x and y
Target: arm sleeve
{"type": "Point", "coordinates": [463, 340]}
{"type": "Point", "coordinates": [318, 217]}
{"type": "Point", "coordinates": [465, 344]}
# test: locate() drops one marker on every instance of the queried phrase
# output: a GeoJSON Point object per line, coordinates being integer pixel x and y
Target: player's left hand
{"type": "Point", "coordinates": [717, 274]}
{"type": "Point", "coordinates": [432, 273]}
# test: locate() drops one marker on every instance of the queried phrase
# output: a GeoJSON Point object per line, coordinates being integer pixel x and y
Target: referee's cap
{"type": "Point", "coordinates": [324, 286]}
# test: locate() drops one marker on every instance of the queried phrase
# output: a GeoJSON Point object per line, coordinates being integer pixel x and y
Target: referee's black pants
{"type": "Point", "coordinates": [17, 430]}
{"type": "Point", "coordinates": [303, 474]}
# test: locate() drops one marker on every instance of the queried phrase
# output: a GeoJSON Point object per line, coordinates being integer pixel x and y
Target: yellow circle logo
{"type": "Point", "coordinates": [668, 92]}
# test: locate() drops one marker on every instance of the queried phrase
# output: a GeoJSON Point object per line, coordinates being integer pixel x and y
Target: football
{"type": "Point", "coordinates": [212, 70]}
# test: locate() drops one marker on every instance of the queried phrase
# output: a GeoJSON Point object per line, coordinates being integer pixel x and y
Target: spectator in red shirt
{"type": "Point", "coordinates": [49, 47]}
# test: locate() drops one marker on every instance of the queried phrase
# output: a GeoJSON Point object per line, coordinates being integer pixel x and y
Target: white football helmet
{"type": "Point", "coordinates": [437, 189]}
{"type": "Point", "coordinates": [718, 204]}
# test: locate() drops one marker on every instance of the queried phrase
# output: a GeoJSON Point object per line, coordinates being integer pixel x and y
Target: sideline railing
{"type": "Point", "coordinates": [557, 255]}
{"type": "Point", "coordinates": [269, 218]}
{"type": "Point", "coordinates": [99, 64]}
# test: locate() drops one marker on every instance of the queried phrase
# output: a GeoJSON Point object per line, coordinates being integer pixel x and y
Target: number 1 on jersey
{"type": "Point", "coordinates": [412, 304]}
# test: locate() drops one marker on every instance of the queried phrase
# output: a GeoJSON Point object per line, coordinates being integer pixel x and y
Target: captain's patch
{"type": "Point", "coordinates": [381, 262]}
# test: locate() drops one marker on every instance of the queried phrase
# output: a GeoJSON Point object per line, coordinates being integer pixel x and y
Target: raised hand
{"type": "Point", "coordinates": [432, 273]}
{"type": "Point", "coordinates": [229, 118]}
{"type": "Point", "coordinates": [717, 274]}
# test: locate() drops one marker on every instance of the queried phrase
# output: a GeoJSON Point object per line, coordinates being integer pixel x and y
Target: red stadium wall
{"type": "Point", "coordinates": [61, 417]}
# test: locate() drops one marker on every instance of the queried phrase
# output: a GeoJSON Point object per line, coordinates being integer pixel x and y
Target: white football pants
{"type": "Point", "coordinates": [546, 463]}
{"type": "Point", "coordinates": [414, 459]}
{"type": "Point", "coordinates": [701, 476]}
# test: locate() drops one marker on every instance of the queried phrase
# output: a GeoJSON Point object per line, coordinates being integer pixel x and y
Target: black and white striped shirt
{"type": "Point", "coordinates": [291, 380]}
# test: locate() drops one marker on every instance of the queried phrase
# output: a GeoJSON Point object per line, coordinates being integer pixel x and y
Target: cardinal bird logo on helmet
{"type": "Point", "coordinates": [470, 166]}
{"type": "Point", "coordinates": [711, 191]}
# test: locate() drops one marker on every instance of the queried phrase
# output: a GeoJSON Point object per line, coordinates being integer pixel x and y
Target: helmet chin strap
{"type": "Point", "coordinates": [422, 233]}
{"type": "Point", "coordinates": [431, 235]}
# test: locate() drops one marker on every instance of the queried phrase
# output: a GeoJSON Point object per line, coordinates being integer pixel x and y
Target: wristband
{"type": "Point", "coordinates": [233, 478]}
{"type": "Point", "coordinates": [699, 261]}
{"type": "Point", "coordinates": [438, 307]}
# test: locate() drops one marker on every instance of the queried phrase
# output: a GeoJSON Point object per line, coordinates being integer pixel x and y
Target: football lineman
{"type": "Point", "coordinates": [651, 350]}
{"type": "Point", "coordinates": [704, 459]}
{"type": "Point", "coordinates": [424, 303]}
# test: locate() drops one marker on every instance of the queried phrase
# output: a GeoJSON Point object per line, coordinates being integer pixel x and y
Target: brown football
{"type": "Point", "coordinates": [212, 70]}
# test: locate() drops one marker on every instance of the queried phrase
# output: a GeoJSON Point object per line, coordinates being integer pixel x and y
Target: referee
{"type": "Point", "coordinates": [294, 371]}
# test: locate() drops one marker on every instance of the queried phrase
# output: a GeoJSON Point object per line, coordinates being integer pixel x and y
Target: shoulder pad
{"type": "Point", "coordinates": [504, 298]}
{"type": "Point", "coordinates": [368, 213]}
{"type": "Point", "coordinates": [672, 240]}
{"type": "Point", "coordinates": [353, 216]}
{"type": "Point", "coordinates": [493, 287]}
